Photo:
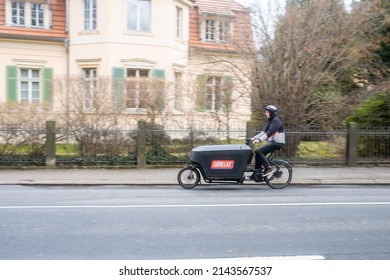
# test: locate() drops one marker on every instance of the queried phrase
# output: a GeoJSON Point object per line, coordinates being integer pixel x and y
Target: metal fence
{"type": "Point", "coordinates": [374, 145]}
{"type": "Point", "coordinates": [131, 148]}
{"type": "Point", "coordinates": [22, 146]}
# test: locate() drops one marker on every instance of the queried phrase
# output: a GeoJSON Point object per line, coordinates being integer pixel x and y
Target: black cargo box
{"type": "Point", "coordinates": [222, 162]}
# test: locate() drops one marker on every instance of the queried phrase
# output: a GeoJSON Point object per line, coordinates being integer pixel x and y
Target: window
{"type": "Point", "coordinates": [179, 23]}
{"type": "Point", "coordinates": [215, 95]}
{"type": "Point", "coordinates": [30, 88]}
{"type": "Point", "coordinates": [90, 15]}
{"type": "Point", "coordinates": [137, 88]}
{"type": "Point", "coordinates": [224, 31]}
{"type": "Point", "coordinates": [29, 14]}
{"type": "Point", "coordinates": [138, 15]}
{"type": "Point", "coordinates": [18, 13]}
{"type": "Point", "coordinates": [216, 30]}
{"type": "Point", "coordinates": [29, 85]}
{"type": "Point", "coordinates": [210, 30]}
{"type": "Point", "coordinates": [37, 15]}
{"type": "Point", "coordinates": [90, 80]}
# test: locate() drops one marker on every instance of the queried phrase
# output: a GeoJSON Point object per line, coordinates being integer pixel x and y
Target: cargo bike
{"type": "Point", "coordinates": [231, 163]}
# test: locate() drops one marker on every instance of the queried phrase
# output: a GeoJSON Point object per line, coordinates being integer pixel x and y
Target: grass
{"type": "Point", "coordinates": [318, 150]}
{"type": "Point", "coordinates": [67, 149]}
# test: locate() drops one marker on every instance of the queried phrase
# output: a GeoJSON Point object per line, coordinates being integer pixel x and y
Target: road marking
{"type": "Point", "coordinates": [379, 203]}
{"type": "Point", "coordinates": [298, 257]}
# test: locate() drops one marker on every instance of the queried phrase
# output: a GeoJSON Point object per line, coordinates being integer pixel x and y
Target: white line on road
{"type": "Point", "coordinates": [297, 257]}
{"type": "Point", "coordinates": [379, 203]}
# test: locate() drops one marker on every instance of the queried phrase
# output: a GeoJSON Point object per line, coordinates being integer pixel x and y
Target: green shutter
{"type": "Point", "coordinates": [12, 93]}
{"type": "Point", "coordinates": [48, 87]}
{"type": "Point", "coordinates": [158, 93]}
{"type": "Point", "coordinates": [201, 93]}
{"type": "Point", "coordinates": [159, 73]}
{"type": "Point", "coordinates": [228, 90]}
{"type": "Point", "coordinates": [118, 86]}
{"type": "Point", "coordinates": [118, 73]}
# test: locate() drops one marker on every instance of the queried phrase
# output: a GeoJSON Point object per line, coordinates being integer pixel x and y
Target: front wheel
{"type": "Point", "coordinates": [281, 177]}
{"type": "Point", "coordinates": [188, 177]}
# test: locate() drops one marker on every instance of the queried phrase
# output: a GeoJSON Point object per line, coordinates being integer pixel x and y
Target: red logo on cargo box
{"type": "Point", "coordinates": [222, 164]}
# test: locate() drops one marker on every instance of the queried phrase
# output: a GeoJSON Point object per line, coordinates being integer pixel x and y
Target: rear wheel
{"type": "Point", "coordinates": [188, 177]}
{"type": "Point", "coordinates": [282, 175]}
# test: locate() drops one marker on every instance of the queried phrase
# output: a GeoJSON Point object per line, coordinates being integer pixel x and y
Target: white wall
{"type": "Point", "coordinates": [116, 47]}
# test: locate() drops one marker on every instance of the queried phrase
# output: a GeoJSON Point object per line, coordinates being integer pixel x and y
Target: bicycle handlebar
{"type": "Point", "coordinates": [248, 141]}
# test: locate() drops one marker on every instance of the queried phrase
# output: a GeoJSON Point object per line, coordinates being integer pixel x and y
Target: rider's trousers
{"type": "Point", "coordinates": [260, 154]}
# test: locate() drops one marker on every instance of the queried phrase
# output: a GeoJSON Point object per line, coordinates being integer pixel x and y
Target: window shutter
{"type": "Point", "coordinates": [201, 93]}
{"type": "Point", "coordinates": [12, 93]}
{"type": "Point", "coordinates": [159, 98]}
{"type": "Point", "coordinates": [118, 73]}
{"type": "Point", "coordinates": [228, 88]}
{"type": "Point", "coordinates": [118, 86]}
{"type": "Point", "coordinates": [48, 87]}
{"type": "Point", "coordinates": [159, 73]}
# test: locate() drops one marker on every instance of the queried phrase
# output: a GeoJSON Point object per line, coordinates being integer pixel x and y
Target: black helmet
{"type": "Point", "coordinates": [272, 109]}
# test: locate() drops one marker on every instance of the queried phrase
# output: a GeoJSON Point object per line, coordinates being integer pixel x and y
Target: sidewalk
{"type": "Point", "coordinates": [162, 176]}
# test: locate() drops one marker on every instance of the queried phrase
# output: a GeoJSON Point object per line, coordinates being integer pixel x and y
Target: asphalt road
{"type": "Point", "coordinates": [167, 222]}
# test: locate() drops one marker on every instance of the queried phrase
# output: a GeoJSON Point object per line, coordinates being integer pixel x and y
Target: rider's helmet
{"type": "Point", "coordinates": [272, 111]}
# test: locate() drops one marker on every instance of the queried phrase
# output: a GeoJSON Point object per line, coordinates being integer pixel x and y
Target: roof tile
{"type": "Point", "coordinates": [219, 7]}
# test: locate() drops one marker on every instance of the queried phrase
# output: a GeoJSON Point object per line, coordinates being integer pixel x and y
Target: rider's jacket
{"type": "Point", "coordinates": [274, 131]}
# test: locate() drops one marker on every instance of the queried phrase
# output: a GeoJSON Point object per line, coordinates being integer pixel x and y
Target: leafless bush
{"type": "Point", "coordinates": [22, 129]}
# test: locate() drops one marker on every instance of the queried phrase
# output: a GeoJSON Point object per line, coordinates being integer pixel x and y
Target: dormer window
{"type": "Point", "coordinates": [216, 30]}
{"type": "Point", "coordinates": [30, 14]}
{"type": "Point", "coordinates": [18, 13]}
{"type": "Point", "coordinates": [210, 30]}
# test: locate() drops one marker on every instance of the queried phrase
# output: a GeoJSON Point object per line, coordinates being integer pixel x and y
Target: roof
{"type": "Point", "coordinates": [238, 13]}
{"type": "Point", "coordinates": [218, 7]}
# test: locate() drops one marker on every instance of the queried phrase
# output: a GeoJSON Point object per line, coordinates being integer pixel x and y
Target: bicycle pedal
{"type": "Point", "coordinates": [270, 173]}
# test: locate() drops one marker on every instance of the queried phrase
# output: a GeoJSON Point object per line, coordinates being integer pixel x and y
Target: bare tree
{"type": "Point", "coordinates": [300, 58]}
{"type": "Point", "coordinates": [88, 114]}
{"type": "Point", "coordinates": [22, 129]}
{"type": "Point", "coordinates": [150, 94]}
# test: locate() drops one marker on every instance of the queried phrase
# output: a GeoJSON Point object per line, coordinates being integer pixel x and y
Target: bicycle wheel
{"type": "Point", "coordinates": [282, 175]}
{"type": "Point", "coordinates": [188, 177]}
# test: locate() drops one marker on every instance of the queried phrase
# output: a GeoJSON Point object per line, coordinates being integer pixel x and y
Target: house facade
{"type": "Point", "coordinates": [169, 61]}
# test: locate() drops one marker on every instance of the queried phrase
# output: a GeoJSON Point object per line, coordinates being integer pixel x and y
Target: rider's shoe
{"type": "Point", "coordinates": [269, 171]}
